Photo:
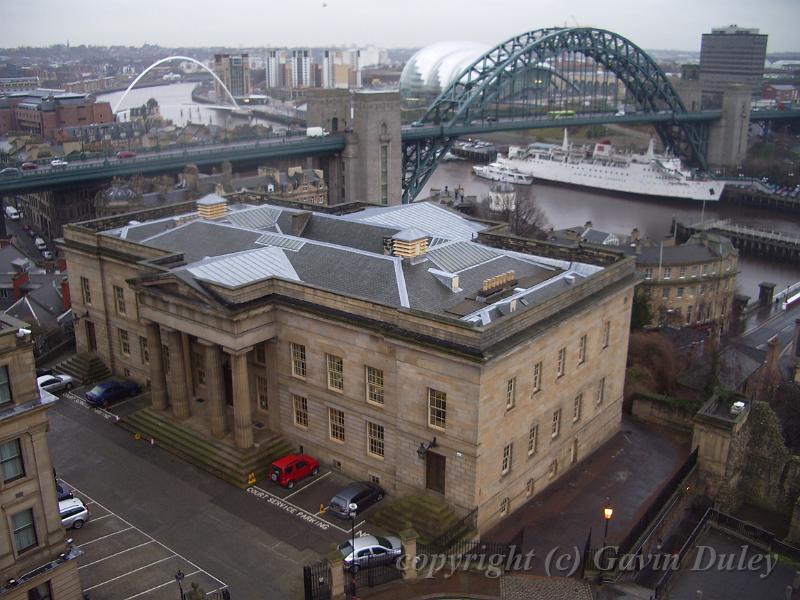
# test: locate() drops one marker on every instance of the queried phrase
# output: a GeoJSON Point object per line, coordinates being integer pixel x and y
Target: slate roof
{"type": "Point", "coordinates": [42, 306]}
{"type": "Point", "coordinates": [345, 254]}
{"type": "Point", "coordinates": [199, 239]}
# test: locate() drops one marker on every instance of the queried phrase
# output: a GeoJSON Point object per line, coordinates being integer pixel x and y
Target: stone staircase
{"type": "Point", "coordinates": [218, 457]}
{"type": "Point", "coordinates": [430, 516]}
{"type": "Point", "coordinates": [84, 367]}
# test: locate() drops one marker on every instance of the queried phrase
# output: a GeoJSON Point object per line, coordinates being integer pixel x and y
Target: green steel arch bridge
{"type": "Point", "coordinates": [546, 78]}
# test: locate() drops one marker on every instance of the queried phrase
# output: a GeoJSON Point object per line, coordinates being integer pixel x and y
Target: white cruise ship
{"type": "Point", "coordinates": [497, 172]}
{"type": "Point", "coordinates": [648, 174]}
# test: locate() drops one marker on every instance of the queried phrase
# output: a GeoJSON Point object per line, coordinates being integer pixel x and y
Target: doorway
{"type": "Point", "coordinates": [435, 471]}
{"type": "Point", "coordinates": [91, 338]}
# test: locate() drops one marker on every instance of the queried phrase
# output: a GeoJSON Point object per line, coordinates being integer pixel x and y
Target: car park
{"type": "Point", "coordinates": [55, 383]}
{"type": "Point", "coordinates": [361, 493]}
{"type": "Point", "coordinates": [369, 548]}
{"type": "Point", "coordinates": [113, 389]}
{"type": "Point", "coordinates": [290, 469]}
{"type": "Point", "coordinates": [74, 513]}
{"type": "Point", "coordinates": [58, 163]}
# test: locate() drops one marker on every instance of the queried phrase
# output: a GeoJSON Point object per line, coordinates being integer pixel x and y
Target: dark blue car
{"type": "Point", "coordinates": [104, 393]}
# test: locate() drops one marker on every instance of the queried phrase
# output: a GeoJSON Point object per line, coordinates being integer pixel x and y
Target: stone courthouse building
{"type": "Point", "coordinates": [386, 342]}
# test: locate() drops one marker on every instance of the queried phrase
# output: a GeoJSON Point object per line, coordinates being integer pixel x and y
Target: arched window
{"type": "Point", "coordinates": [384, 129]}
{"type": "Point", "coordinates": [334, 124]}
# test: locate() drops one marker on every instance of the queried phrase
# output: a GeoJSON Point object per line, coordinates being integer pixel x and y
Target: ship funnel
{"type": "Point", "coordinates": [651, 147]}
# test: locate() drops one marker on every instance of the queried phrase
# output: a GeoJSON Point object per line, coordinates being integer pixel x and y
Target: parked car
{"type": "Point", "coordinates": [292, 468]}
{"type": "Point", "coordinates": [39, 243]}
{"type": "Point", "coordinates": [370, 547]}
{"type": "Point", "coordinates": [55, 383]}
{"type": "Point", "coordinates": [43, 371]}
{"type": "Point", "coordinates": [64, 491]}
{"type": "Point", "coordinates": [29, 166]}
{"type": "Point", "coordinates": [73, 513]}
{"type": "Point", "coordinates": [12, 213]}
{"type": "Point", "coordinates": [361, 493]}
{"type": "Point", "coordinates": [47, 255]}
{"type": "Point", "coordinates": [125, 154]}
{"type": "Point", "coordinates": [58, 163]}
{"type": "Point", "coordinates": [114, 389]}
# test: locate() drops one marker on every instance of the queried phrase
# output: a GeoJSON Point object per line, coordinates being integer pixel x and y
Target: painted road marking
{"type": "Point", "coordinates": [147, 535]}
{"type": "Point", "coordinates": [171, 581]}
{"type": "Point", "coordinates": [129, 573]}
{"type": "Point", "coordinates": [113, 555]}
{"type": "Point", "coordinates": [293, 509]}
{"type": "Point", "coordinates": [308, 485]}
{"type": "Point", "coordinates": [107, 536]}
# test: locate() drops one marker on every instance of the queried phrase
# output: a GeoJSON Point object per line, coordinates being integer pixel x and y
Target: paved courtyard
{"type": "Point", "coordinates": [629, 469]}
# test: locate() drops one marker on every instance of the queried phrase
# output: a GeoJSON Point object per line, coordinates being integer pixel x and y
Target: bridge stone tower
{"type": "Point", "coordinates": [727, 138]}
{"type": "Point", "coordinates": [370, 167]}
{"type": "Point", "coordinates": [330, 109]}
{"type": "Point", "coordinates": [373, 157]}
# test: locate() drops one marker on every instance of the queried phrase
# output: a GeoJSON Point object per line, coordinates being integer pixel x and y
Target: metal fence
{"type": "Point", "coordinates": [317, 580]}
{"type": "Point", "coordinates": [732, 524]}
{"type": "Point", "coordinates": [373, 571]}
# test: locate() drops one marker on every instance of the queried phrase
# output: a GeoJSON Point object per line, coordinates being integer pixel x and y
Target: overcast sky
{"type": "Point", "coordinates": [675, 24]}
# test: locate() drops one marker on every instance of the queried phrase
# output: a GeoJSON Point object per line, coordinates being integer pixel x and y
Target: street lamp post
{"type": "Point", "coordinates": [179, 577]}
{"type": "Point", "coordinates": [608, 513]}
{"type": "Point", "coordinates": [353, 509]}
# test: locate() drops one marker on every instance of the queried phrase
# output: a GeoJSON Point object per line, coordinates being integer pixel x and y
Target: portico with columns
{"type": "Point", "coordinates": [208, 367]}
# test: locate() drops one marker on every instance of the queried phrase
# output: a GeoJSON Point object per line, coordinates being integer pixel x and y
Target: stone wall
{"type": "Point", "coordinates": [664, 410]}
{"type": "Point", "coordinates": [770, 473]}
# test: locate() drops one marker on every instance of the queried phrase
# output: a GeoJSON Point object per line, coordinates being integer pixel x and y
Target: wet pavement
{"type": "Point", "coordinates": [725, 568]}
{"type": "Point", "coordinates": [629, 469]}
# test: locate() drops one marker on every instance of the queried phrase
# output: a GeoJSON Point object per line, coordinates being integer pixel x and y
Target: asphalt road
{"type": "Point", "coordinates": [780, 323]}
{"type": "Point", "coordinates": [255, 547]}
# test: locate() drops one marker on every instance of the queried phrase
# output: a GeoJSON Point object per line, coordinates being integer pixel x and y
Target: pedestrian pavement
{"type": "Point", "coordinates": [629, 470]}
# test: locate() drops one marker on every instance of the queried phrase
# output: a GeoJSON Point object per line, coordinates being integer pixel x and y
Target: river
{"type": "Point", "coordinates": [564, 207]}
{"type": "Point", "coordinates": [175, 103]}
{"type": "Point", "coordinates": [567, 207]}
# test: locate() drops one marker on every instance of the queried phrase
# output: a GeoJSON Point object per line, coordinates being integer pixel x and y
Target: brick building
{"type": "Point", "coordinates": [35, 561]}
{"type": "Point", "coordinates": [44, 112]}
{"type": "Point", "coordinates": [385, 341]}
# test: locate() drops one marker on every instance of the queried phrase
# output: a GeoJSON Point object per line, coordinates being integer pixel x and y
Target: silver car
{"type": "Point", "coordinates": [55, 383]}
{"type": "Point", "coordinates": [370, 549]}
{"type": "Point", "coordinates": [73, 513]}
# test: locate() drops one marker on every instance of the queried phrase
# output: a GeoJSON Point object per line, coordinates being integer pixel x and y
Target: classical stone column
{"type": "Point", "coordinates": [215, 385]}
{"type": "Point", "coordinates": [242, 414]}
{"type": "Point", "coordinates": [178, 386]}
{"type": "Point", "coordinates": [158, 389]}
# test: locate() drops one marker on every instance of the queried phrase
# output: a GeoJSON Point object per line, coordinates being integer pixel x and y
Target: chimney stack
{"type": "Point", "coordinates": [772, 370]}
{"type": "Point", "coordinates": [212, 206]}
{"type": "Point", "coordinates": [19, 279]}
{"type": "Point", "coordinates": [65, 297]}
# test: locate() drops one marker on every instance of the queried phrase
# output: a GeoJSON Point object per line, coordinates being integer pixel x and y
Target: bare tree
{"type": "Point", "coordinates": [527, 217]}
{"type": "Point", "coordinates": [518, 208]}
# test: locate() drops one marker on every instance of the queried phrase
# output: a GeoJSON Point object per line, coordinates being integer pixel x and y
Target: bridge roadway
{"type": "Point", "coordinates": [171, 158]}
{"type": "Point", "coordinates": [175, 158]}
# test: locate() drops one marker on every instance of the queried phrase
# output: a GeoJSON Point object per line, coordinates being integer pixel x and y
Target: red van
{"type": "Point", "coordinates": [293, 468]}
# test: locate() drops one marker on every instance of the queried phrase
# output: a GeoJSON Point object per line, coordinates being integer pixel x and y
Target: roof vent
{"type": "Point", "coordinates": [212, 206]}
{"type": "Point", "coordinates": [410, 243]}
{"type": "Point", "coordinates": [450, 280]}
{"type": "Point", "coordinates": [498, 282]}
{"type": "Point", "coordinates": [737, 407]}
